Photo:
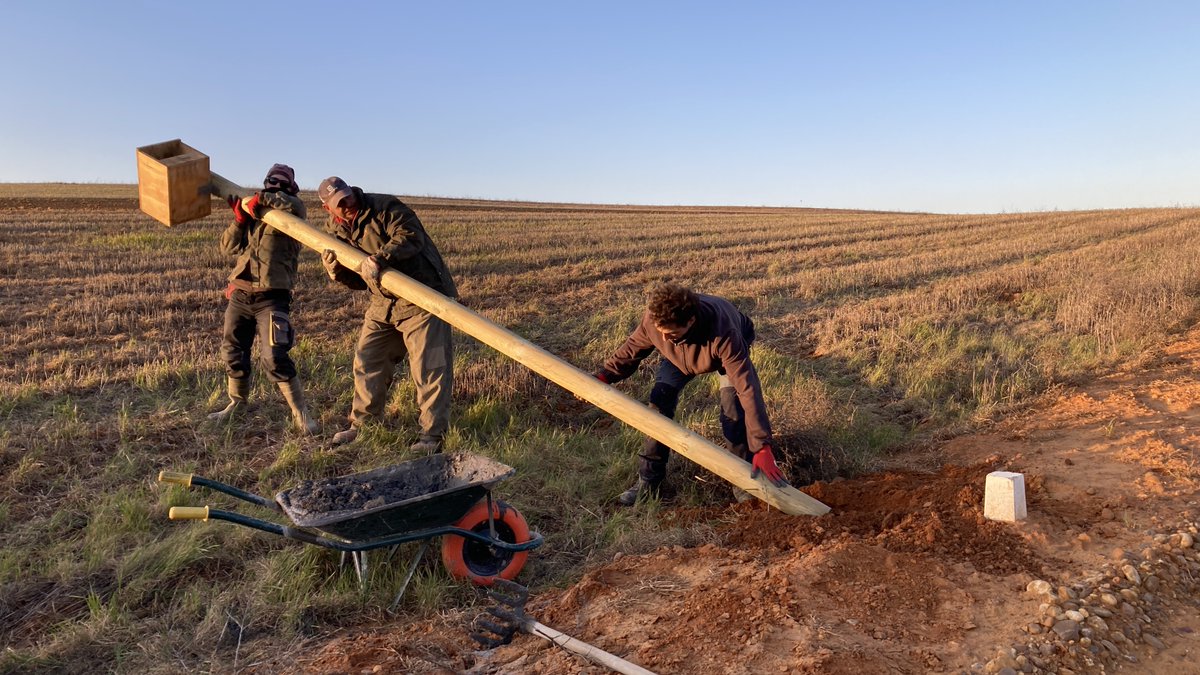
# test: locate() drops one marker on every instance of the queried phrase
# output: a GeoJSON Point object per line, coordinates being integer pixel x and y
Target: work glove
{"type": "Point", "coordinates": [229, 289]}
{"type": "Point", "coordinates": [330, 261]}
{"type": "Point", "coordinates": [764, 463]}
{"type": "Point", "coordinates": [238, 214]}
{"type": "Point", "coordinates": [602, 375]}
{"type": "Point", "coordinates": [371, 269]}
{"type": "Point", "coordinates": [251, 205]}
{"type": "Point", "coordinates": [273, 199]}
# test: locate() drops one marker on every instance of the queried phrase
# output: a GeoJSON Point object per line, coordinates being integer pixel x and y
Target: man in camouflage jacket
{"type": "Point", "coordinates": [260, 295]}
{"type": "Point", "coordinates": [392, 236]}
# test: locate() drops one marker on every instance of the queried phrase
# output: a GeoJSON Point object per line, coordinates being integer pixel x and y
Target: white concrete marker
{"type": "Point", "coordinates": [1004, 496]}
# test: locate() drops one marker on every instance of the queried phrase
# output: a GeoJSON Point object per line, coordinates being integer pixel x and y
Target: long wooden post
{"type": "Point", "coordinates": [641, 417]}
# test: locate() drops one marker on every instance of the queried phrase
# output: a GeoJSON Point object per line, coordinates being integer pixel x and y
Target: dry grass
{"type": "Point", "coordinates": [876, 329]}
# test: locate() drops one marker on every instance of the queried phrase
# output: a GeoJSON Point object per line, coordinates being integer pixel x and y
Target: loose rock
{"type": "Point", "coordinates": [1037, 588]}
{"type": "Point", "coordinates": [1067, 630]}
{"type": "Point", "coordinates": [1132, 574]}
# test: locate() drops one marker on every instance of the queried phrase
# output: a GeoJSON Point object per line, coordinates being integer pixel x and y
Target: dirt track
{"type": "Point", "coordinates": [905, 575]}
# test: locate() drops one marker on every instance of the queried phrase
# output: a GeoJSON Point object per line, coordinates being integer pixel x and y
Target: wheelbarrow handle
{"type": "Point", "coordinates": [206, 513]}
{"type": "Point", "coordinates": [175, 478]}
{"type": "Point", "coordinates": [189, 480]}
{"type": "Point", "coordinates": [188, 513]}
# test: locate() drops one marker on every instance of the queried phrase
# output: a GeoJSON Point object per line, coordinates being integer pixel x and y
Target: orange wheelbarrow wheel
{"type": "Point", "coordinates": [482, 564]}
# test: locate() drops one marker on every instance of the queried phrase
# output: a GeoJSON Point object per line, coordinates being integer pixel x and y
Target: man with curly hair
{"type": "Point", "coordinates": [696, 334]}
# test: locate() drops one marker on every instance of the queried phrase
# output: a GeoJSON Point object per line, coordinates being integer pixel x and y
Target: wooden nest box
{"type": "Point", "coordinates": [173, 180]}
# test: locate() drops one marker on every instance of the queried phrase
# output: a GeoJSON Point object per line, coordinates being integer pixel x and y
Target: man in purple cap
{"type": "Point", "coordinates": [392, 236]}
{"type": "Point", "coordinates": [260, 295]}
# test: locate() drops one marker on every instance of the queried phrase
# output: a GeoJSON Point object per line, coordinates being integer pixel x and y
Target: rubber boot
{"type": "Point", "coordinates": [239, 391]}
{"type": "Point", "coordinates": [293, 393]}
{"type": "Point", "coordinates": [427, 444]}
{"type": "Point", "coordinates": [345, 436]}
{"type": "Point", "coordinates": [641, 490]}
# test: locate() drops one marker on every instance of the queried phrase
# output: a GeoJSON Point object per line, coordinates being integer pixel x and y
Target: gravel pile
{"type": "Point", "coordinates": [1106, 619]}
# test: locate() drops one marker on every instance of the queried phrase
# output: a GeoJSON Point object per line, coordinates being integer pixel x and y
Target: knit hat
{"type": "Point", "coordinates": [285, 178]}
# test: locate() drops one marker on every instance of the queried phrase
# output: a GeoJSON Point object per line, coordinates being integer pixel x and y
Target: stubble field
{"type": "Point", "coordinates": [880, 335]}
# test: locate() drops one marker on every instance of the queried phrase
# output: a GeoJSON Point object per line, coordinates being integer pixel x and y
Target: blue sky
{"type": "Point", "coordinates": [934, 106]}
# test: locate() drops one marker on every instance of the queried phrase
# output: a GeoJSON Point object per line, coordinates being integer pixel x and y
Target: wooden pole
{"type": "Point", "coordinates": [639, 416]}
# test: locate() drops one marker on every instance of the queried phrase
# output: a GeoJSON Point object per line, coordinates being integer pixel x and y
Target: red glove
{"type": "Point", "coordinates": [238, 214]}
{"type": "Point", "coordinates": [229, 291]}
{"type": "Point", "coordinates": [250, 205]}
{"type": "Point", "coordinates": [764, 463]}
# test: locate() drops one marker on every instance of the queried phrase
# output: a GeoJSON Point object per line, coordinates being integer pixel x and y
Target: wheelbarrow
{"type": "Point", "coordinates": [447, 495]}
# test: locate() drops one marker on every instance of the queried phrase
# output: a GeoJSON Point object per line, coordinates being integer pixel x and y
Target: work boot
{"type": "Point", "coordinates": [293, 393]}
{"type": "Point", "coordinates": [239, 391]}
{"type": "Point", "coordinates": [346, 436]}
{"type": "Point", "coordinates": [427, 444]}
{"type": "Point", "coordinates": [640, 491]}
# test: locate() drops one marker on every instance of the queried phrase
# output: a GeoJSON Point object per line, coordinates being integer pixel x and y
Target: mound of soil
{"type": "Point", "coordinates": [905, 575]}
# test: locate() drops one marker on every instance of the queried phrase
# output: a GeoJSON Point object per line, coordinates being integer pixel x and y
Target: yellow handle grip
{"type": "Point", "coordinates": [184, 479]}
{"type": "Point", "coordinates": [188, 513]}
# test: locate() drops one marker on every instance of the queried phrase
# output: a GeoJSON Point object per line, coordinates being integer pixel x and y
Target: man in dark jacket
{"type": "Point", "coordinates": [260, 295]}
{"type": "Point", "coordinates": [696, 334]}
{"type": "Point", "coordinates": [392, 236]}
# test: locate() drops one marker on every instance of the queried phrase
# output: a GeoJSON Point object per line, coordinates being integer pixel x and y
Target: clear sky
{"type": "Point", "coordinates": [953, 106]}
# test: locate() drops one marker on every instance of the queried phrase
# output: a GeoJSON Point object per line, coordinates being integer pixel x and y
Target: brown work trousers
{"type": "Point", "coordinates": [425, 339]}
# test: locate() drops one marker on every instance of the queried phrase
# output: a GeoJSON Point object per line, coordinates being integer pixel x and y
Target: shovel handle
{"type": "Point", "coordinates": [175, 477]}
{"type": "Point", "coordinates": [593, 654]}
{"type": "Point", "coordinates": [188, 513]}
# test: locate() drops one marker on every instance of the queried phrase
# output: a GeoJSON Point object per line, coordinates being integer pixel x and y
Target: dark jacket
{"type": "Point", "coordinates": [387, 227]}
{"type": "Point", "coordinates": [266, 257]}
{"type": "Point", "coordinates": [719, 341]}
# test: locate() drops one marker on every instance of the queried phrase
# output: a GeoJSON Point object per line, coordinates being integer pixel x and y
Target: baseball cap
{"type": "Point", "coordinates": [333, 190]}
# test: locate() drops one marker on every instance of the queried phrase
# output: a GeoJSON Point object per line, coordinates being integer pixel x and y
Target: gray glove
{"type": "Point", "coordinates": [330, 261]}
{"type": "Point", "coordinates": [371, 270]}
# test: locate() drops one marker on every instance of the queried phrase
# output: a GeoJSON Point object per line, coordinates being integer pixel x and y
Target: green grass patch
{"type": "Point", "coordinates": [155, 240]}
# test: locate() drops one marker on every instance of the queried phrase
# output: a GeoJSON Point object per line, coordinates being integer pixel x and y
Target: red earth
{"type": "Point", "coordinates": [905, 575]}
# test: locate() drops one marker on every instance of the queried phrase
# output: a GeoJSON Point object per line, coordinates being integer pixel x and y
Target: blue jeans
{"type": "Point", "coordinates": [669, 382]}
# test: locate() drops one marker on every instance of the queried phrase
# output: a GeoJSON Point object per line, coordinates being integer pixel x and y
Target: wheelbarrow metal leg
{"type": "Point", "coordinates": [360, 568]}
{"type": "Point", "coordinates": [412, 567]}
{"type": "Point", "coordinates": [491, 521]}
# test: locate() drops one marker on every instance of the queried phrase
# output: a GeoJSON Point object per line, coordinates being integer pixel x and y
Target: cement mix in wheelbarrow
{"type": "Point", "coordinates": [370, 490]}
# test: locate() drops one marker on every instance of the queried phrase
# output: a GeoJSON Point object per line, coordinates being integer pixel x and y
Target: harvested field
{"type": "Point", "coordinates": [903, 356]}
